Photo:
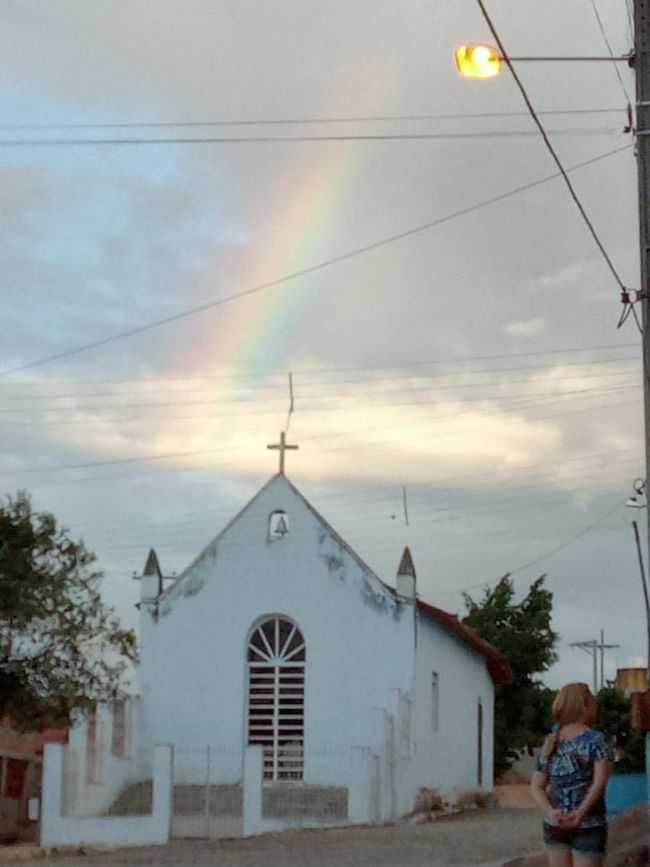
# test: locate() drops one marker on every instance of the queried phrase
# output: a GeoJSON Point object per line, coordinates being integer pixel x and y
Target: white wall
{"type": "Point", "coordinates": [448, 757]}
{"type": "Point", "coordinates": [60, 830]}
{"type": "Point", "coordinates": [91, 797]}
{"type": "Point", "coordinates": [359, 641]}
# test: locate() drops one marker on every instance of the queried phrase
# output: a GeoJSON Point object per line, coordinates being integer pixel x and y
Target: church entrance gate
{"type": "Point", "coordinates": [205, 803]}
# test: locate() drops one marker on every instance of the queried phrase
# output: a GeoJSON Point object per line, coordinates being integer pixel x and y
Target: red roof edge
{"type": "Point", "coordinates": [497, 663]}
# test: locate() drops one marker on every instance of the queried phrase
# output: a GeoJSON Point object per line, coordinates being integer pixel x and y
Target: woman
{"type": "Point", "coordinates": [569, 784]}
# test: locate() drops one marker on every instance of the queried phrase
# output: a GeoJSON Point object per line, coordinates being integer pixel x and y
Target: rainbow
{"type": "Point", "coordinates": [253, 335]}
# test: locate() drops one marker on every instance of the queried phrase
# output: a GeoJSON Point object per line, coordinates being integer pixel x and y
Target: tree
{"type": "Point", "coordinates": [62, 649]}
{"type": "Point", "coordinates": [523, 632]}
{"type": "Point", "coordinates": [614, 720]}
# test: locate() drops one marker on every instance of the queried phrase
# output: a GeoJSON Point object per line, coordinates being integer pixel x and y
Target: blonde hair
{"type": "Point", "coordinates": [574, 703]}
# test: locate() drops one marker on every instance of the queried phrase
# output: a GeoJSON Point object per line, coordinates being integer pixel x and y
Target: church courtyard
{"type": "Point", "coordinates": [490, 837]}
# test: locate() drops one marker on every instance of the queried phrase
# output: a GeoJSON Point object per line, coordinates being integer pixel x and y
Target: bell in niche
{"type": "Point", "coordinates": [278, 524]}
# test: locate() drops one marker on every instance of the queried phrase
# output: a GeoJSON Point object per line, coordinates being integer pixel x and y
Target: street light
{"type": "Point", "coordinates": [478, 60]}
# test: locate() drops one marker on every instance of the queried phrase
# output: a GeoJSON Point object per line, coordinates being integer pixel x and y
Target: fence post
{"type": "Point", "coordinates": [207, 791]}
{"type": "Point", "coordinates": [360, 787]}
{"type": "Point", "coordinates": [253, 788]}
{"type": "Point", "coordinates": [52, 792]}
{"type": "Point", "coordinates": [163, 781]}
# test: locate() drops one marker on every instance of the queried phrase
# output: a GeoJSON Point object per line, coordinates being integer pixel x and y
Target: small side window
{"type": "Point", "coordinates": [118, 739]}
{"type": "Point", "coordinates": [435, 701]}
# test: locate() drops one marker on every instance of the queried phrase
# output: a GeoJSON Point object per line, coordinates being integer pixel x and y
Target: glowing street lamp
{"type": "Point", "coordinates": [478, 61]}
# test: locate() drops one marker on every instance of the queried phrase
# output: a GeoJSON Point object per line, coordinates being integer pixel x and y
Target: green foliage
{"type": "Point", "coordinates": [61, 649]}
{"type": "Point", "coordinates": [521, 630]}
{"type": "Point", "coordinates": [614, 720]}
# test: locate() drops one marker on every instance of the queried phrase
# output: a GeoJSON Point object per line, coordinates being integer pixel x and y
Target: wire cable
{"type": "Point", "coordinates": [298, 139]}
{"type": "Point", "coordinates": [325, 389]}
{"type": "Point", "coordinates": [322, 392]}
{"type": "Point", "coordinates": [397, 365]}
{"type": "Point", "coordinates": [311, 269]}
{"type": "Point", "coordinates": [387, 118]}
{"type": "Point", "coordinates": [603, 32]}
{"type": "Point", "coordinates": [550, 148]}
{"type": "Point", "coordinates": [630, 20]}
{"type": "Point", "coordinates": [570, 541]}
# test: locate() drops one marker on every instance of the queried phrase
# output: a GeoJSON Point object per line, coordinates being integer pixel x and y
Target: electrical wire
{"type": "Point", "coordinates": [383, 380]}
{"type": "Point", "coordinates": [320, 396]}
{"type": "Point", "coordinates": [397, 365]}
{"type": "Point", "coordinates": [603, 33]}
{"type": "Point", "coordinates": [337, 407]}
{"type": "Point", "coordinates": [576, 537]}
{"type": "Point", "coordinates": [630, 20]}
{"type": "Point", "coordinates": [298, 139]}
{"type": "Point", "coordinates": [569, 541]}
{"type": "Point", "coordinates": [147, 459]}
{"type": "Point", "coordinates": [550, 148]}
{"type": "Point", "coordinates": [185, 124]}
{"type": "Point", "coordinates": [311, 269]}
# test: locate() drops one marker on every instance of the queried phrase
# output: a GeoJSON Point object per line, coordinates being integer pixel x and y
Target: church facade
{"type": "Point", "coordinates": [279, 635]}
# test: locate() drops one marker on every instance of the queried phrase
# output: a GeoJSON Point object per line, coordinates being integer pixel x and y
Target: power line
{"type": "Point", "coordinates": [603, 32]}
{"type": "Point", "coordinates": [272, 388]}
{"type": "Point", "coordinates": [387, 118]}
{"type": "Point", "coordinates": [46, 412]}
{"type": "Point", "coordinates": [397, 365]}
{"type": "Point", "coordinates": [424, 385]}
{"type": "Point", "coordinates": [197, 453]}
{"type": "Point", "coordinates": [546, 556]}
{"type": "Point", "coordinates": [550, 147]}
{"type": "Point", "coordinates": [312, 269]}
{"type": "Point", "coordinates": [630, 20]}
{"type": "Point", "coordinates": [298, 139]}
{"type": "Point", "coordinates": [569, 541]}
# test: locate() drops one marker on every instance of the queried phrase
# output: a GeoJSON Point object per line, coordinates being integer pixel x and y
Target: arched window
{"type": "Point", "coordinates": [276, 697]}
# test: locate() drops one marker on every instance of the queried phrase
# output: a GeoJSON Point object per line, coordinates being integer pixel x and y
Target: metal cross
{"type": "Point", "coordinates": [282, 447]}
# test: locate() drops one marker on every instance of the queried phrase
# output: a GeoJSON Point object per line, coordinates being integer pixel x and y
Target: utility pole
{"type": "Point", "coordinates": [642, 73]}
{"type": "Point", "coordinates": [592, 648]}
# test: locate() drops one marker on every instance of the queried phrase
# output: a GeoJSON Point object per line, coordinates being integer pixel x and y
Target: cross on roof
{"type": "Point", "coordinates": [282, 447]}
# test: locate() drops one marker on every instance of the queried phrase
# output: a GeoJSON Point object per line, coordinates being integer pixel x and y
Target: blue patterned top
{"type": "Point", "coordinates": [570, 772]}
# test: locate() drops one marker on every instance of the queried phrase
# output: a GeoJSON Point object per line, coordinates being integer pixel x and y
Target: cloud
{"type": "Point", "coordinates": [502, 462]}
{"type": "Point", "coordinates": [527, 328]}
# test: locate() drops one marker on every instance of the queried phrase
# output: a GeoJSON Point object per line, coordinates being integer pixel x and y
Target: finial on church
{"type": "Point", "coordinates": [282, 447]}
{"type": "Point", "coordinates": [406, 577]}
{"type": "Point", "coordinates": [406, 566]}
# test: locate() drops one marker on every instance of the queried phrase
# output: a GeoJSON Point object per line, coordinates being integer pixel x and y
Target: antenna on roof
{"type": "Point", "coordinates": [405, 504]}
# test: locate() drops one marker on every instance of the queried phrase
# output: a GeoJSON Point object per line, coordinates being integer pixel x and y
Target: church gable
{"type": "Point", "coordinates": [278, 517]}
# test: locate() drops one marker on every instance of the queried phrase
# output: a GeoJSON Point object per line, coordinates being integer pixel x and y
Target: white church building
{"type": "Point", "coordinates": [279, 641]}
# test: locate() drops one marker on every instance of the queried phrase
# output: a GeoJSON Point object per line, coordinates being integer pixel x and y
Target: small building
{"type": "Point", "coordinates": [278, 637]}
{"type": "Point", "coordinates": [20, 773]}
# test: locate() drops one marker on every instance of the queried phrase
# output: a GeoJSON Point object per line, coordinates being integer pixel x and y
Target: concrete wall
{"type": "Point", "coordinates": [60, 830]}
{"type": "Point", "coordinates": [357, 780]}
{"type": "Point", "coordinates": [91, 795]}
{"type": "Point", "coordinates": [359, 641]}
{"type": "Point", "coordinates": [447, 758]}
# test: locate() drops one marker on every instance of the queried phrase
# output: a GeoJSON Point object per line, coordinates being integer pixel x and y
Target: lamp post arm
{"type": "Point", "coordinates": [623, 58]}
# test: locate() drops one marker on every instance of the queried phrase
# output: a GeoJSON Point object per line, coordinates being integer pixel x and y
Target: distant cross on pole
{"type": "Point", "coordinates": [282, 447]}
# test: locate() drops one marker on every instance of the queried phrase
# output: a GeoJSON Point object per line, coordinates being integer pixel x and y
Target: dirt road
{"type": "Point", "coordinates": [474, 838]}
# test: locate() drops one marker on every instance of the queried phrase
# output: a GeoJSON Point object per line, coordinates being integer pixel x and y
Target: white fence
{"type": "Point", "coordinates": [57, 828]}
{"type": "Point", "coordinates": [133, 797]}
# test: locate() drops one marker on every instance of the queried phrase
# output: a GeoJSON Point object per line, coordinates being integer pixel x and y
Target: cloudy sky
{"type": "Point", "coordinates": [473, 358]}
